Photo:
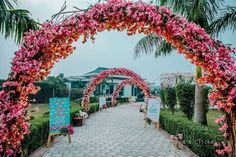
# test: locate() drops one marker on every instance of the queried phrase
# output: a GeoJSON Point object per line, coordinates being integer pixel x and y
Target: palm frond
{"type": "Point", "coordinates": [163, 49]}
{"type": "Point", "coordinates": [198, 11]}
{"type": "Point", "coordinates": [146, 45]}
{"type": "Point", "coordinates": [150, 44]}
{"type": "Point", "coordinates": [13, 23]}
{"type": "Point", "coordinates": [6, 5]}
{"type": "Point", "coordinates": [226, 21]}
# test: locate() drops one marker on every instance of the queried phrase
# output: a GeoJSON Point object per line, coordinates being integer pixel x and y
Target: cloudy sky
{"type": "Point", "coordinates": [111, 49]}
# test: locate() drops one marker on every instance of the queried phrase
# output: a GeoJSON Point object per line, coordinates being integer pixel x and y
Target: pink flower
{"type": "Point", "coordinates": [220, 152]}
{"type": "Point", "coordinates": [9, 152]}
{"type": "Point", "coordinates": [71, 129]}
{"type": "Point", "coordinates": [226, 134]}
{"type": "Point", "coordinates": [216, 144]}
{"type": "Point", "coordinates": [224, 127]}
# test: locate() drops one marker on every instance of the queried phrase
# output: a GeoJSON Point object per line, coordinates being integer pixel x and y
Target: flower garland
{"type": "Point", "coordinates": [140, 83]}
{"type": "Point", "coordinates": [114, 71]}
{"type": "Point", "coordinates": [41, 49]}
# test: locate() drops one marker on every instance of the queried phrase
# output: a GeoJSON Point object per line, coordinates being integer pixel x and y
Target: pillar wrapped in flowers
{"type": "Point", "coordinates": [41, 49]}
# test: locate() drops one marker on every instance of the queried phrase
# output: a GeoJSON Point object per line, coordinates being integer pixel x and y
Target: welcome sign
{"type": "Point", "coordinates": [102, 101]}
{"type": "Point", "coordinates": [59, 114]}
{"type": "Point", "coordinates": [154, 110]}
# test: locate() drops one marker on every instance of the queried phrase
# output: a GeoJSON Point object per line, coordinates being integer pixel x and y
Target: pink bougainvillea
{"type": "Point", "coordinates": [115, 71]}
{"type": "Point", "coordinates": [41, 49]}
{"type": "Point", "coordinates": [140, 83]}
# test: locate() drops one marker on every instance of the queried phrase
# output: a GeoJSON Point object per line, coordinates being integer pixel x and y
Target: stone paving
{"type": "Point", "coordinates": [117, 132]}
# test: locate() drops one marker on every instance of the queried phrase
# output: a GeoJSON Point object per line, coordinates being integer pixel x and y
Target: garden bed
{"type": "Point", "coordinates": [200, 139]}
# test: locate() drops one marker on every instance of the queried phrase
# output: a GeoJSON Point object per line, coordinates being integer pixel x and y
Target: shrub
{"type": "Point", "coordinates": [170, 98]}
{"type": "Point", "coordinates": [93, 99]}
{"type": "Point", "coordinates": [76, 93]}
{"type": "Point", "coordinates": [185, 96]}
{"type": "Point", "coordinates": [162, 97]}
{"type": "Point", "coordinates": [198, 138]}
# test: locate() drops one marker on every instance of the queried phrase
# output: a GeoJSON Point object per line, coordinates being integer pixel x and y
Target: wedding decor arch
{"type": "Point", "coordinates": [139, 83]}
{"type": "Point", "coordinates": [105, 73]}
{"type": "Point", "coordinates": [42, 48]}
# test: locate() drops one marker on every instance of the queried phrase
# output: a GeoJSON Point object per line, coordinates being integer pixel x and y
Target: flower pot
{"type": "Point", "coordinates": [77, 121]}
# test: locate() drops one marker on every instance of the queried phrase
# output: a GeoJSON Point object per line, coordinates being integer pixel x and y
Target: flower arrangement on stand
{"type": "Point", "coordinates": [69, 130]}
{"type": "Point", "coordinates": [79, 118]}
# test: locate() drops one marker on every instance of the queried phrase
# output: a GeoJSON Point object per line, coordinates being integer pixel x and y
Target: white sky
{"type": "Point", "coordinates": [111, 49]}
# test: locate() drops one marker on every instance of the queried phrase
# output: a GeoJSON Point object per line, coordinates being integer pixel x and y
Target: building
{"type": "Point", "coordinates": [171, 79]}
{"type": "Point", "coordinates": [106, 87]}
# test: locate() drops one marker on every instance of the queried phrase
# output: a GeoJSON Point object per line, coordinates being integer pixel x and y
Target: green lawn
{"type": "Point", "coordinates": [211, 116]}
{"type": "Point", "coordinates": [43, 108]}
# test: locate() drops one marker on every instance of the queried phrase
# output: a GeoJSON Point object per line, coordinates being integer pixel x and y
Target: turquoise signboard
{"type": "Point", "coordinates": [153, 109]}
{"type": "Point", "coordinates": [59, 114]}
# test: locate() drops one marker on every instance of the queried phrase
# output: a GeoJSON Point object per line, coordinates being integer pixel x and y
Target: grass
{"type": "Point", "coordinates": [211, 116]}
{"type": "Point", "coordinates": [44, 107]}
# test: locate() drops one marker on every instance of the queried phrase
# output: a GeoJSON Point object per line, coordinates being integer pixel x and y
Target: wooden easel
{"type": "Point", "coordinates": [51, 138]}
{"type": "Point", "coordinates": [156, 124]}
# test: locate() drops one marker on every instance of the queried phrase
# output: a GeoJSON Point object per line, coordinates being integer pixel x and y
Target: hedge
{"type": "Point", "coordinates": [40, 128]}
{"type": "Point", "coordinates": [198, 138]}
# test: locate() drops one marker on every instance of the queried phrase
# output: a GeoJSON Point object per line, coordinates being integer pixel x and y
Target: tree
{"type": "Point", "coordinates": [200, 12]}
{"type": "Point", "coordinates": [15, 22]}
{"type": "Point", "coordinates": [185, 96]}
{"type": "Point", "coordinates": [59, 87]}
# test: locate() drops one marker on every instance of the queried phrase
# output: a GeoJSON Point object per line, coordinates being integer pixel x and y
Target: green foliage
{"type": "Point", "coordinates": [227, 20]}
{"type": "Point", "coordinates": [76, 93]}
{"type": "Point", "coordinates": [78, 84]}
{"type": "Point", "coordinates": [64, 131]}
{"type": "Point", "coordinates": [59, 87]}
{"type": "Point", "coordinates": [185, 96]}
{"type": "Point", "coordinates": [170, 98]}
{"type": "Point", "coordinates": [198, 138]}
{"type": "Point", "coordinates": [15, 22]}
{"type": "Point", "coordinates": [1, 82]}
{"type": "Point", "coordinates": [44, 94]}
{"type": "Point", "coordinates": [162, 97]}
{"type": "Point", "coordinates": [93, 99]}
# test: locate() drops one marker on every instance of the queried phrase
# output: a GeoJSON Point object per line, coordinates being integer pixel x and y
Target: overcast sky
{"type": "Point", "coordinates": [111, 49]}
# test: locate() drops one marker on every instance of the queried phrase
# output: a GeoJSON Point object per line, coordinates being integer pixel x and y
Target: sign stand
{"type": "Point", "coordinates": [153, 112]}
{"type": "Point", "coordinates": [52, 137]}
{"type": "Point", "coordinates": [59, 109]}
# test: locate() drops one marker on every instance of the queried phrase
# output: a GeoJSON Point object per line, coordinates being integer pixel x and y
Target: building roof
{"type": "Point", "coordinates": [96, 71]}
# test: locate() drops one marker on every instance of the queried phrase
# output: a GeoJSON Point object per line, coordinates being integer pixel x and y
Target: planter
{"type": "Point", "coordinates": [78, 121]}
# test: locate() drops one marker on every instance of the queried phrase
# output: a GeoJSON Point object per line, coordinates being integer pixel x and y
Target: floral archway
{"type": "Point", "coordinates": [102, 75]}
{"type": "Point", "coordinates": [139, 83]}
{"type": "Point", "coordinates": [41, 49]}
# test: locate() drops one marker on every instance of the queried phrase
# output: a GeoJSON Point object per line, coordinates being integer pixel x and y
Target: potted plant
{"type": "Point", "coordinates": [77, 120]}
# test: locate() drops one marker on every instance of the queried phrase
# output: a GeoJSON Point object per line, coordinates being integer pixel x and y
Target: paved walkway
{"type": "Point", "coordinates": [117, 132]}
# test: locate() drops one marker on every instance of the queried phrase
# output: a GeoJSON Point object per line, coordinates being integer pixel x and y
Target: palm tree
{"type": "Point", "coordinates": [15, 22]}
{"type": "Point", "coordinates": [200, 12]}
{"type": "Point", "coordinates": [58, 84]}
{"type": "Point", "coordinates": [226, 21]}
